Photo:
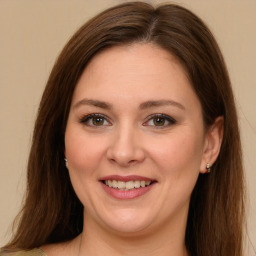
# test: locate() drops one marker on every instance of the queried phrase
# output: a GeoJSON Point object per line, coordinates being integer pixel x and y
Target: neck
{"type": "Point", "coordinates": [167, 240]}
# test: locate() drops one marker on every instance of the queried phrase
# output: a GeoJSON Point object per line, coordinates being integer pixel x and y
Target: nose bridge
{"type": "Point", "coordinates": [125, 148]}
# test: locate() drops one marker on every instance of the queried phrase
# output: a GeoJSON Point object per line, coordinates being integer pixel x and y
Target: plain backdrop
{"type": "Point", "coordinates": [32, 33]}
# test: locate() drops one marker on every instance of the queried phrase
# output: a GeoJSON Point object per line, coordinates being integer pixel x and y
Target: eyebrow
{"type": "Point", "coordinates": [159, 103]}
{"type": "Point", "coordinates": [95, 103]}
{"type": "Point", "coordinates": [144, 105]}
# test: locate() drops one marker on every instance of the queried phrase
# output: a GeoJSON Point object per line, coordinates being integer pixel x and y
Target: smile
{"type": "Point", "coordinates": [129, 185]}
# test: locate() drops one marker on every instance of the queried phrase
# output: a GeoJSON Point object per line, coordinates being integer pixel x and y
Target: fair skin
{"type": "Point", "coordinates": [134, 112]}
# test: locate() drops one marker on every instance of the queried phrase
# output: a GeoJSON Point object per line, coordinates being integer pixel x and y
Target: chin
{"type": "Point", "coordinates": [127, 221]}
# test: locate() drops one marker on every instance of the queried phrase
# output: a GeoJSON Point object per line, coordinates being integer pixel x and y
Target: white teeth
{"type": "Point", "coordinates": [136, 184]}
{"type": "Point", "coordinates": [129, 185]}
{"type": "Point", "coordinates": [114, 184]}
{"type": "Point", "coordinates": [121, 185]}
{"type": "Point", "coordinates": [143, 183]}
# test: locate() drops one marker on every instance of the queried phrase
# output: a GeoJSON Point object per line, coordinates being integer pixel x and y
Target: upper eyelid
{"type": "Point", "coordinates": [161, 115]}
{"type": "Point", "coordinates": [86, 117]}
{"type": "Point", "coordinates": [155, 115]}
{"type": "Point", "coordinates": [171, 121]}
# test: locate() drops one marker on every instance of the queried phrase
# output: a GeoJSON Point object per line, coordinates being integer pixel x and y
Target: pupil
{"type": "Point", "coordinates": [159, 121]}
{"type": "Point", "coordinates": [97, 121]}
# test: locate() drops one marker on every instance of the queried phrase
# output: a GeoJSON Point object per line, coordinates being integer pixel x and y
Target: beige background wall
{"type": "Point", "coordinates": [32, 32]}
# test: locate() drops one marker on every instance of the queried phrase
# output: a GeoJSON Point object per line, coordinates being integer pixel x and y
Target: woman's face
{"type": "Point", "coordinates": [135, 139]}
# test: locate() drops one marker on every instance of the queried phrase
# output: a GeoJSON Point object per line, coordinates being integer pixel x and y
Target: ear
{"type": "Point", "coordinates": [212, 144]}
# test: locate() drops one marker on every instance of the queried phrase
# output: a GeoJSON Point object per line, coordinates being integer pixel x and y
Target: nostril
{"type": "Point", "coordinates": [125, 152]}
{"type": "Point", "coordinates": [123, 162]}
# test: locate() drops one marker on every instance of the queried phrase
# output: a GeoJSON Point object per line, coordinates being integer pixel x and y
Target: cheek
{"type": "Point", "coordinates": [178, 161]}
{"type": "Point", "coordinates": [83, 152]}
{"type": "Point", "coordinates": [178, 154]}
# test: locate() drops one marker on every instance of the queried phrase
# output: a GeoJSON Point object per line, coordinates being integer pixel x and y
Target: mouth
{"type": "Point", "coordinates": [127, 187]}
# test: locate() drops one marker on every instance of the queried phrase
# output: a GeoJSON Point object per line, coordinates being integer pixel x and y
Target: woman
{"type": "Point", "coordinates": [136, 147]}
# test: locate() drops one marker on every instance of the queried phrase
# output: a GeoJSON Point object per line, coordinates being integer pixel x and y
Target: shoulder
{"type": "Point", "coordinates": [67, 248]}
{"type": "Point", "coordinates": [34, 252]}
{"type": "Point", "coordinates": [58, 249]}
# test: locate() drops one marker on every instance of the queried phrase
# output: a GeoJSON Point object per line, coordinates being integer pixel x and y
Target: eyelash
{"type": "Point", "coordinates": [170, 120]}
{"type": "Point", "coordinates": [89, 118]}
{"type": "Point", "coordinates": [86, 119]}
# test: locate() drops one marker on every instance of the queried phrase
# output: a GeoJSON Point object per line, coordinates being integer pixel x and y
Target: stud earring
{"type": "Point", "coordinates": [66, 162]}
{"type": "Point", "coordinates": [208, 167]}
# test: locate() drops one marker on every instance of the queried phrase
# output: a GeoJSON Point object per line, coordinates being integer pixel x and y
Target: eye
{"type": "Point", "coordinates": [159, 121]}
{"type": "Point", "coordinates": [95, 120]}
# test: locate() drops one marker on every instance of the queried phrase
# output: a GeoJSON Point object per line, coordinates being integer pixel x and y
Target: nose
{"type": "Point", "coordinates": [126, 148]}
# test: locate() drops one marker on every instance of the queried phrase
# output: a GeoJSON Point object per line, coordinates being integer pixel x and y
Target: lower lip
{"type": "Point", "coordinates": [126, 194]}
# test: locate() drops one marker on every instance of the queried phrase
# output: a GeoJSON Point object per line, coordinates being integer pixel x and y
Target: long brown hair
{"type": "Point", "coordinates": [52, 212]}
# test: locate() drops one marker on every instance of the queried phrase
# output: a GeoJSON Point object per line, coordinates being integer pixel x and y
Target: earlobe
{"type": "Point", "coordinates": [66, 162]}
{"type": "Point", "coordinates": [213, 141]}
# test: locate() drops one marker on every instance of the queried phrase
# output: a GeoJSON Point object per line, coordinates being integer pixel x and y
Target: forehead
{"type": "Point", "coordinates": [141, 71]}
{"type": "Point", "coordinates": [144, 59]}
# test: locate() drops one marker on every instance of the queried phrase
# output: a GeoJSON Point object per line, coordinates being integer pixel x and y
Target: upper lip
{"type": "Point", "coordinates": [126, 178]}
